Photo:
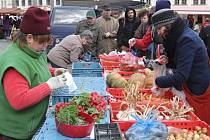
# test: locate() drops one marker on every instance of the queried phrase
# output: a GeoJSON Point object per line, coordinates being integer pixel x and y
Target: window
{"type": "Point", "coordinates": [195, 2]}
{"type": "Point", "coordinates": [17, 2]}
{"type": "Point", "coordinates": [184, 2]}
{"type": "Point", "coordinates": [203, 2]}
{"type": "Point", "coordinates": [176, 2]}
{"type": "Point", "coordinates": [58, 2]}
{"type": "Point", "coordinates": [23, 3]}
{"type": "Point", "coordinates": [68, 16]}
{"type": "Point", "coordinates": [48, 2]}
{"type": "Point", "coordinates": [40, 2]}
{"type": "Point", "coordinates": [29, 2]}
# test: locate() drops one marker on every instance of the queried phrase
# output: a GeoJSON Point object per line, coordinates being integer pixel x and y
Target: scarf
{"type": "Point", "coordinates": [170, 40]}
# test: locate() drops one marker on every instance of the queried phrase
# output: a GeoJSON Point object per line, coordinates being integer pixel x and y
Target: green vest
{"type": "Point", "coordinates": [22, 124]}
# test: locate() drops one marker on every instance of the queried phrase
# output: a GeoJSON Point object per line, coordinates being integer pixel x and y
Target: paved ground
{"type": "Point", "coordinates": [3, 44]}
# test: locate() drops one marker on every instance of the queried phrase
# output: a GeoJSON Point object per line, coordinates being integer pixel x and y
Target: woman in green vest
{"type": "Point", "coordinates": [26, 81]}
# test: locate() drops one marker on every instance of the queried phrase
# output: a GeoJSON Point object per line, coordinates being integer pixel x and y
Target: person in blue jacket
{"type": "Point", "coordinates": [187, 56]}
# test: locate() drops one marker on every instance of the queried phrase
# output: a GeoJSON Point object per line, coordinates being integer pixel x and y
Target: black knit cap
{"type": "Point", "coordinates": [164, 17]}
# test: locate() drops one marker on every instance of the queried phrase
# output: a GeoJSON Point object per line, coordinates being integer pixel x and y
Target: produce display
{"type": "Point", "coordinates": [184, 134]}
{"type": "Point", "coordinates": [69, 119]}
{"type": "Point", "coordinates": [168, 110]}
{"type": "Point", "coordinates": [68, 114]}
{"type": "Point", "coordinates": [148, 129]}
{"type": "Point", "coordinates": [130, 99]}
{"type": "Point", "coordinates": [90, 103]}
{"type": "Point", "coordinates": [129, 62]}
{"type": "Point", "coordinates": [131, 104]}
{"type": "Point", "coordinates": [143, 79]}
{"type": "Point", "coordinates": [115, 80]}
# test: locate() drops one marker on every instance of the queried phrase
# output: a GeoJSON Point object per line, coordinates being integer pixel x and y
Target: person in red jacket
{"type": "Point", "coordinates": [142, 44]}
{"type": "Point", "coordinates": [26, 81]}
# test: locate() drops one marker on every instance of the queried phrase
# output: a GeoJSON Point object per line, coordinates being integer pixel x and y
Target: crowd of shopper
{"type": "Point", "coordinates": [8, 24]}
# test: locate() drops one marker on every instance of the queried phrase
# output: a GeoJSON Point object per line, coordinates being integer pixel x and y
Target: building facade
{"type": "Point", "coordinates": [23, 4]}
{"type": "Point", "coordinates": [195, 7]}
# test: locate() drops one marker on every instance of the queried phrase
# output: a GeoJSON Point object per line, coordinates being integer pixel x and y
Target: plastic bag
{"type": "Point", "coordinates": [87, 56]}
{"type": "Point", "coordinates": [149, 129]}
{"type": "Point", "coordinates": [70, 82]}
{"type": "Point", "coordinates": [129, 62]}
{"type": "Point", "coordinates": [181, 95]}
{"type": "Point", "coordinates": [161, 70]}
{"type": "Point", "coordinates": [158, 70]}
{"type": "Point", "coordinates": [69, 87]}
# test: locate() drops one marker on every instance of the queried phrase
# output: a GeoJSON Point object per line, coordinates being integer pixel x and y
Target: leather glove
{"type": "Point", "coordinates": [56, 82]}
{"type": "Point", "coordinates": [59, 71]}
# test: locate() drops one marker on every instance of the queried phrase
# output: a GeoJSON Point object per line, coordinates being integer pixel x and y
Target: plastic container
{"type": "Point", "coordinates": [125, 74]}
{"type": "Point", "coordinates": [86, 65]}
{"type": "Point", "coordinates": [84, 84]}
{"type": "Point", "coordinates": [109, 65]}
{"type": "Point", "coordinates": [87, 74]}
{"type": "Point", "coordinates": [114, 57]}
{"type": "Point", "coordinates": [117, 93]}
{"type": "Point", "coordinates": [49, 131]}
{"type": "Point", "coordinates": [86, 69]}
{"type": "Point", "coordinates": [115, 107]}
{"type": "Point", "coordinates": [188, 125]}
{"type": "Point", "coordinates": [107, 132]}
{"type": "Point", "coordinates": [123, 125]}
{"type": "Point", "coordinates": [72, 130]}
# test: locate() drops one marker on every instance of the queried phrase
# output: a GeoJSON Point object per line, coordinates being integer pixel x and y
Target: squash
{"type": "Point", "coordinates": [137, 78]}
{"type": "Point", "coordinates": [115, 80]}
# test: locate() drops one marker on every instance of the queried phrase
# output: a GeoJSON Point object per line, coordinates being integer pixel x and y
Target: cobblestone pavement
{"type": "Point", "coordinates": [3, 44]}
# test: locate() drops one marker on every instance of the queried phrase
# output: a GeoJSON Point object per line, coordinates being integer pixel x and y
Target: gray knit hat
{"type": "Point", "coordinates": [164, 17]}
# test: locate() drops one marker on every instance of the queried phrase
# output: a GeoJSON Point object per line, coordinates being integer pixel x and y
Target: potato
{"type": "Point", "coordinates": [204, 130]}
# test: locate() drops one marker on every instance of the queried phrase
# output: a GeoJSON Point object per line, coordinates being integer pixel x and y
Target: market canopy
{"type": "Point", "coordinates": [12, 11]}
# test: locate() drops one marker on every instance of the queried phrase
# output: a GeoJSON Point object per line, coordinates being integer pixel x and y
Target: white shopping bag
{"type": "Point", "coordinates": [70, 82]}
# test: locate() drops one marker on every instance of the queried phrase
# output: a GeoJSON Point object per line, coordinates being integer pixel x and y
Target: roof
{"type": "Point", "coordinates": [12, 11]}
{"type": "Point", "coordinates": [194, 9]}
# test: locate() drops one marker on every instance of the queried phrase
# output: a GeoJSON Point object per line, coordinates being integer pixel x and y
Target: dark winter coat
{"type": "Point", "coordinates": [188, 57]}
{"type": "Point", "coordinates": [127, 28]}
{"type": "Point", "coordinates": [205, 35]}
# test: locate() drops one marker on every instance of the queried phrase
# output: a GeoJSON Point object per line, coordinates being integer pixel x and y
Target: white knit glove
{"type": "Point", "coordinates": [132, 42]}
{"type": "Point", "coordinates": [56, 82]}
{"type": "Point", "coordinates": [59, 71]}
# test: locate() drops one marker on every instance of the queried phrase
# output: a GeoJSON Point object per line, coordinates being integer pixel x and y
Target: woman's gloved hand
{"type": "Point", "coordinates": [56, 82]}
{"type": "Point", "coordinates": [59, 71]}
{"type": "Point", "coordinates": [132, 42]}
{"type": "Point", "coordinates": [163, 59]}
{"type": "Point", "coordinates": [157, 91]}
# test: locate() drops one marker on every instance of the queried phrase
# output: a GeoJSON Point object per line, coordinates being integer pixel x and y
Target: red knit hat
{"type": "Point", "coordinates": [35, 21]}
